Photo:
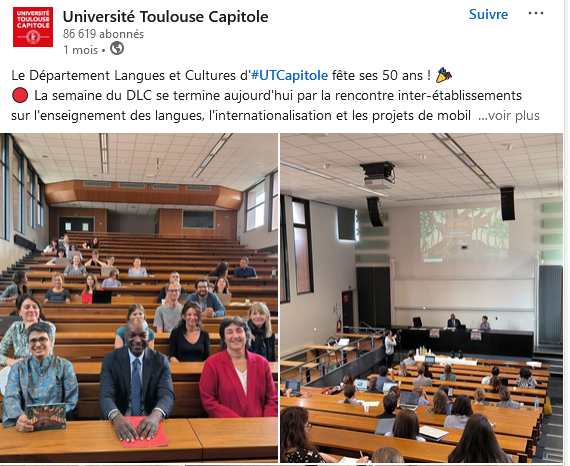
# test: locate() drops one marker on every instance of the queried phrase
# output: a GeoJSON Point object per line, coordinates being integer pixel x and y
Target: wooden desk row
{"type": "Point", "coordinates": [188, 440]}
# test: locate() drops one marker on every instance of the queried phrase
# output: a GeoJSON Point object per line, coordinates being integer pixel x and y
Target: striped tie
{"type": "Point", "coordinates": [136, 389]}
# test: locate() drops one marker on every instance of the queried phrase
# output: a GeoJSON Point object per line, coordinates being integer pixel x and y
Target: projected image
{"type": "Point", "coordinates": [478, 234]}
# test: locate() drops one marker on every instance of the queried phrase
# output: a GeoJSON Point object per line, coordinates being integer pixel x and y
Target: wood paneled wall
{"type": "Point", "coordinates": [170, 223]}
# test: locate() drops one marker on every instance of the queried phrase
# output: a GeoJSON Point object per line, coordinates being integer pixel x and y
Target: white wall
{"type": "Point", "coordinates": [309, 318]}
{"type": "Point", "coordinates": [259, 237]}
{"type": "Point", "coordinates": [515, 273]}
{"type": "Point", "coordinates": [9, 252]}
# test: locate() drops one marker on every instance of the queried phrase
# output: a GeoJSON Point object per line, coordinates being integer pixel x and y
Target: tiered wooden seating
{"type": "Point", "coordinates": [515, 429]}
{"type": "Point", "coordinates": [86, 332]}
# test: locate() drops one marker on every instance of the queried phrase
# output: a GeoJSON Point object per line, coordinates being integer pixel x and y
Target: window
{"type": "Point", "coordinates": [18, 189]}
{"type": "Point", "coordinates": [303, 250]}
{"type": "Point", "coordinates": [4, 189]}
{"type": "Point", "coordinates": [31, 188]}
{"type": "Point", "coordinates": [284, 259]}
{"type": "Point", "coordinates": [192, 219]}
{"type": "Point", "coordinates": [41, 194]}
{"type": "Point", "coordinates": [255, 206]}
{"type": "Point", "coordinates": [274, 203]}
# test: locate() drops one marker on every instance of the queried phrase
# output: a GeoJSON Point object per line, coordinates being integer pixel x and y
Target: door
{"type": "Point", "coordinates": [347, 309]}
{"type": "Point", "coordinates": [550, 305]}
{"type": "Point", "coordinates": [76, 224]}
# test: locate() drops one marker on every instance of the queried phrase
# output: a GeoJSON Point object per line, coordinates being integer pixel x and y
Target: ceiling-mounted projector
{"type": "Point", "coordinates": [379, 175]}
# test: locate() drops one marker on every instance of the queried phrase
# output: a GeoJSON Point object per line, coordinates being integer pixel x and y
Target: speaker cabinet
{"type": "Point", "coordinates": [374, 211]}
{"type": "Point", "coordinates": [508, 203]}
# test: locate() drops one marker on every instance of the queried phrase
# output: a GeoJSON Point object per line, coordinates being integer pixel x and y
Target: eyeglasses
{"type": "Point", "coordinates": [202, 287]}
{"type": "Point", "coordinates": [172, 291]}
{"type": "Point", "coordinates": [308, 426]}
{"type": "Point", "coordinates": [42, 340]}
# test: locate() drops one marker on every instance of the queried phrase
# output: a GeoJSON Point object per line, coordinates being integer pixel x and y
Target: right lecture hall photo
{"type": "Point", "coordinates": [421, 297]}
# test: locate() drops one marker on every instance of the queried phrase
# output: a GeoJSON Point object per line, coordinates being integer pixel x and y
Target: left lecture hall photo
{"type": "Point", "coordinates": [139, 296]}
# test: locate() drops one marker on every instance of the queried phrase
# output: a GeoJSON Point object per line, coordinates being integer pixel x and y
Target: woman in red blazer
{"type": "Point", "coordinates": [236, 382]}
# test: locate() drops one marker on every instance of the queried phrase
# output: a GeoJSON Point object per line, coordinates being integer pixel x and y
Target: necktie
{"type": "Point", "coordinates": [136, 389]}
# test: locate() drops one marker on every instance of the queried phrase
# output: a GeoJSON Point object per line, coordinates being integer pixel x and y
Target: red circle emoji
{"type": "Point", "coordinates": [20, 95]}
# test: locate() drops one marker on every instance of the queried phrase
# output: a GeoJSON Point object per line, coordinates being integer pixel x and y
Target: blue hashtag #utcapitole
{"type": "Point", "coordinates": [255, 74]}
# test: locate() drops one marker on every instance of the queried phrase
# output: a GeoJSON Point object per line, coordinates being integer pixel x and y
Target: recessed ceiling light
{"type": "Point", "coordinates": [326, 166]}
{"type": "Point", "coordinates": [45, 156]}
{"type": "Point", "coordinates": [423, 156]}
{"type": "Point", "coordinates": [260, 166]}
{"type": "Point", "coordinates": [150, 176]}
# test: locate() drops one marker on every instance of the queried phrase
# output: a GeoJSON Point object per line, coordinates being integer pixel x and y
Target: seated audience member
{"type": "Point", "coordinates": [167, 316]}
{"type": "Point", "coordinates": [525, 379]}
{"type": "Point", "coordinates": [92, 244]}
{"type": "Point", "coordinates": [373, 385]}
{"type": "Point", "coordinates": [110, 261]}
{"type": "Point", "coordinates": [444, 388]}
{"type": "Point", "coordinates": [91, 284]}
{"type": "Point", "coordinates": [420, 380]}
{"type": "Point", "coordinates": [76, 268]}
{"type": "Point", "coordinates": [494, 373]}
{"type": "Point", "coordinates": [406, 425]}
{"type": "Point", "coordinates": [52, 247]}
{"type": "Point", "coordinates": [113, 280]}
{"type": "Point", "coordinates": [383, 373]}
{"type": "Point", "coordinates": [479, 396]}
{"type": "Point", "coordinates": [428, 373]}
{"type": "Point", "coordinates": [440, 401]}
{"type": "Point", "coordinates": [18, 287]}
{"type": "Point", "coordinates": [236, 382]}
{"type": "Point", "coordinates": [478, 444]}
{"type": "Point", "coordinates": [40, 379]}
{"type": "Point", "coordinates": [136, 311]}
{"type": "Point", "coordinates": [57, 294]}
{"type": "Point", "coordinates": [137, 270]}
{"type": "Point", "coordinates": [403, 370]}
{"type": "Point", "coordinates": [390, 403]}
{"type": "Point", "coordinates": [73, 248]}
{"type": "Point", "coordinates": [423, 400]}
{"type": "Point", "coordinates": [209, 302]}
{"type": "Point", "coordinates": [294, 443]}
{"type": "Point", "coordinates": [496, 384]}
{"type": "Point", "coordinates": [220, 271]}
{"type": "Point", "coordinates": [262, 336]}
{"type": "Point", "coordinates": [174, 277]}
{"type": "Point", "coordinates": [59, 254]}
{"type": "Point", "coordinates": [244, 270]}
{"type": "Point", "coordinates": [447, 375]}
{"type": "Point", "coordinates": [222, 286]}
{"type": "Point", "coordinates": [348, 379]}
{"type": "Point", "coordinates": [94, 261]}
{"type": "Point", "coordinates": [410, 361]}
{"type": "Point", "coordinates": [189, 342]}
{"type": "Point", "coordinates": [155, 397]}
{"type": "Point", "coordinates": [485, 325]}
{"type": "Point", "coordinates": [460, 412]}
{"type": "Point", "coordinates": [350, 396]}
{"type": "Point", "coordinates": [395, 390]}
{"type": "Point", "coordinates": [30, 310]}
{"type": "Point", "coordinates": [506, 401]}
{"type": "Point", "coordinates": [387, 455]}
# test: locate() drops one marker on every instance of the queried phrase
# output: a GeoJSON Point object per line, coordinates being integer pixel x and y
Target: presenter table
{"type": "Point", "coordinates": [492, 342]}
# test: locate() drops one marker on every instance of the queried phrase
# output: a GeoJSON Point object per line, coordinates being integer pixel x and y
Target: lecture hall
{"type": "Point", "coordinates": [139, 298]}
{"type": "Point", "coordinates": [421, 297]}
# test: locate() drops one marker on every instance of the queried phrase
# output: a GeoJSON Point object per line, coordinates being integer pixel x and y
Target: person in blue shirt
{"type": "Point", "coordinates": [244, 270]}
{"type": "Point", "coordinates": [210, 304]}
{"type": "Point", "coordinates": [42, 378]}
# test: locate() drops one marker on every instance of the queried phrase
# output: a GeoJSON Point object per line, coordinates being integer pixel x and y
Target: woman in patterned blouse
{"type": "Point", "coordinates": [40, 379]}
{"type": "Point", "coordinates": [295, 446]}
{"type": "Point", "coordinates": [526, 380]}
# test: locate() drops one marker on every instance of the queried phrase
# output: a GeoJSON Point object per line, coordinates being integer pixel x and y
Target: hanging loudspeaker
{"type": "Point", "coordinates": [374, 211]}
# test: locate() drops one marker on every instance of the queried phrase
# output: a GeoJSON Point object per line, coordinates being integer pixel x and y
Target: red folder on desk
{"type": "Point", "coordinates": [159, 439]}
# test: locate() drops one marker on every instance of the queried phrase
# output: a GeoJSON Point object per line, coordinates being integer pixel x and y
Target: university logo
{"type": "Point", "coordinates": [33, 27]}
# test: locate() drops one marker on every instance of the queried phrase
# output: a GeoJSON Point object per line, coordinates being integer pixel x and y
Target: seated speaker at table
{"type": "Point", "coordinates": [40, 379]}
{"type": "Point", "coordinates": [236, 382]}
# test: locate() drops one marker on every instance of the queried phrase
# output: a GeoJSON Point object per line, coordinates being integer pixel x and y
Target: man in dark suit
{"type": "Point", "coordinates": [136, 381]}
{"type": "Point", "coordinates": [453, 322]}
{"type": "Point", "coordinates": [390, 403]}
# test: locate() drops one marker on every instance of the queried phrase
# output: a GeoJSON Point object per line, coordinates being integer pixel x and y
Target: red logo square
{"type": "Point", "coordinates": [33, 27]}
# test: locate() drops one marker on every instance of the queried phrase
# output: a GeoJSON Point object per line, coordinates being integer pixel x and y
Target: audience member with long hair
{"type": "Point", "coordinates": [460, 412]}
{"type": "Point", "coordinates": [387, 455]}
{"type": "Point", "coordinates": [440, 401]}
{"type": "Point", "coordinates": [478, 444]}
{"type": "Point", "coordinates": [406, 425]}
{"type": "Point", "coordinates": [350, 396]}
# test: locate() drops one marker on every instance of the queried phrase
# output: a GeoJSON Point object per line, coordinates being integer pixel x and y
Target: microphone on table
{"type": "Point", "coordinates": [471, 325]}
